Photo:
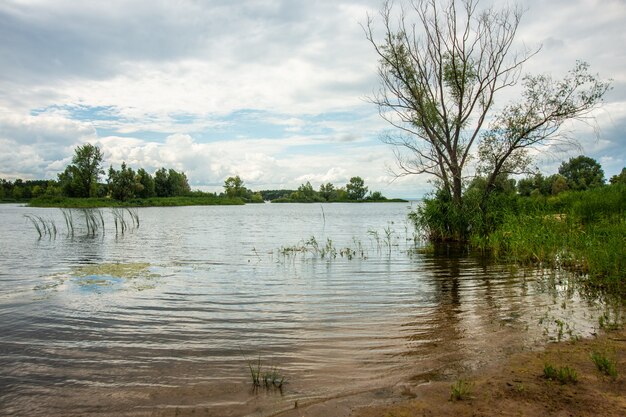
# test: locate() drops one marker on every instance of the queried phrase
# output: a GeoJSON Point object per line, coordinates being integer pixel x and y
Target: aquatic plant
{"type": "Point", "coordinates": [118, 219]}
{"type": "Point", "coordinates": [271, 378]}
{"type": "Point", "coordinates": [134, 215]}
{"type": "Point", "coordinates": [255, 372]}
{"type": "Point", "coordinates": [44, 227]}
{"type": "Point", "coordinates": [69, 221]}
{"type": "Point", "coordinates": [93, 220]}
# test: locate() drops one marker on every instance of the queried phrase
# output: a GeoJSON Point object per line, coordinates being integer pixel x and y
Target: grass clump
{"type": "Point", "coordinates": [271, 378]}
{"type": "Point", "coordinates": [605, 364]}
{"type": "Point", "coordinates": [460, 390]}
{"type": "Point", "coordinates": [564, 374]}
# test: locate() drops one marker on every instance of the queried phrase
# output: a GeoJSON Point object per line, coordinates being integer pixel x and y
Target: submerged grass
{"type": "Point", "coordinates": [271, 378]}
{"type": "Point", "coordinates": [327, 251]}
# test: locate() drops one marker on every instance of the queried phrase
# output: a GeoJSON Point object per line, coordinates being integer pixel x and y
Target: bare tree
{"type": "Point", "coordinates": [440, 69]}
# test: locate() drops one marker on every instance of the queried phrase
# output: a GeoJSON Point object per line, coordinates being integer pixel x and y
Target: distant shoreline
{"type": "Point", "coordinates": [66, 202]}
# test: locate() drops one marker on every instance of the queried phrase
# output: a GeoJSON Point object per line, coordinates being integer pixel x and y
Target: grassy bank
{"type": "Point", "coordinates": [584, 232]}
{"type": "Point", "coordinates": [64, 202]}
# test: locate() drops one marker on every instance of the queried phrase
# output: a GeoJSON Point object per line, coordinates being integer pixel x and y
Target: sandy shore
{"type": "Point", "coordinates": [514, 387]}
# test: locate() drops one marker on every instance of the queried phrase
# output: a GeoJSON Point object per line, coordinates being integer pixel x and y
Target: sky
{"type": "Point", "coordinates": [275, 91]}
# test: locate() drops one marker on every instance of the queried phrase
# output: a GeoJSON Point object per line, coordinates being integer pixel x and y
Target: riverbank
{"type": "Point", "coordinates": [513, 387]}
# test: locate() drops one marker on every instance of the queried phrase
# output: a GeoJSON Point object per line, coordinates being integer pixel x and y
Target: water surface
{"type": "Point", "coordinates": [166, 317]}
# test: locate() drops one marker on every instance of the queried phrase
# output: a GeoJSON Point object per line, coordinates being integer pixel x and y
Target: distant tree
{"type": "Point", "coordinates": [179, 185]}
{"type": "Point", "coordinates": [559, 184]}
{"type": "Point", "coordinates": [328, 192]}
{"type": "Point", "coordinates": [161, 183]}
{"type": "Point", "coordinates": [356, 188]}
{"type": "Point", "coordinates": [376, 196]}
{"type": "Point", "coordinates": [123, 184]}
{"type": "Point", "coordinates": [582, 173]}
{"type": "Point", "coordinates": [80, 179]}
{"type": "Point", "coordinates": [619, 178]}
{"type": "Point", "coordinates": [233, 186]}
{"type": "Point", "coordinates": [147, 184]}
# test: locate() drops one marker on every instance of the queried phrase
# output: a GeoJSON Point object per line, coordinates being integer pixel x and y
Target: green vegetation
{"type": "Point", "coordinates": [78, 187]}
{"type": "Point", "coordinates": [460, 390]}
{"type": "Point", "coordinates": [564, 375]}
{"type": "Point", "coordinates": [271, 378]}
{"type": "Point", "coordinates": [534, 222]}
{"type": "Point", "coordinates": [438, 86]}
{"type": "Point", "coordinates": [354, 191]}
{"type": "Point", "coordinates": [234, 188]}
{"type": "Point", "coordinates": [605, 364]}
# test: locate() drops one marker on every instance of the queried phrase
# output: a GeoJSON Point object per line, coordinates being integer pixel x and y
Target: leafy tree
{"type": "Point", "coordinates": [356, 188]}
{"type": "Point", "coordinates": [376, 196]}
{"type": "Point", "coordinates": [620, 178]}
{"type": "Point", "coordinates": [328, 192]}
{"type": "Point", "coordinates": [147, 184]}
{"type": "Point", "coordinates": [559, 184]}
{"type": "Point", "coordinates": [582, 173]}
{"type": "Point", "coordinates": [233, 186]}
{"type": "Point", "coordinates": [162, 186]}
{"type": "Point", "coordinates": [170, 183]}
{"type": "Point", "coordinates": [438, 86]}
{"type": "Point", "coordinates": [123, 184]}
{"type": "Point", "coordinates": [80, 179]}
{"type": "Point", "coordinates": [178, 183]}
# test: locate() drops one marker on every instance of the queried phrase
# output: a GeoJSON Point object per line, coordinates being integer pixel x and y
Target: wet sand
{"type": "Point", "coordinates": [512, 387]}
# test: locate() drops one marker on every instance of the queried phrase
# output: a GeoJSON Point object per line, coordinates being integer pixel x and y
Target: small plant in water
{"type": "Point", "coordinates": [269, 379]}
{"type": "Point", "coordinates": [460, 390]}
{"type": "Point", "coordinates": [255, 372]}
{"type": "Point", "coordinates": [605, 364]}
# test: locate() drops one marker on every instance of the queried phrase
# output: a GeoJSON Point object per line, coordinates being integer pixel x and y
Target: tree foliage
{"type": "Point", "coordinates": [170, 183]}
{"type": "Point", "coordinates": [80, 178]}
{"type": "Point", "coordinates": [356, 188]}
{"type": "Point", "coordinates": [582, 173]}
{"type": "Point", "coordinates": [234, 187]}
{"type": "Point", "coordinates": [124, 184]}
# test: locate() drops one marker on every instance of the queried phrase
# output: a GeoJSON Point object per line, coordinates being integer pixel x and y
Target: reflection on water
{"type": "Point", "coordinates": [163, 317]}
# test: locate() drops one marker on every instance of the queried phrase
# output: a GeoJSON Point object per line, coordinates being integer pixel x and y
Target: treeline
{"type": "Point", "coordinates": [81, 181]}
{"type": "Point", "coordinates": [355, 190]}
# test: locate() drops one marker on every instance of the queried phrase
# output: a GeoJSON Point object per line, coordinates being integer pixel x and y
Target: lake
{"type": "Point", "coordinates": [169, 316]}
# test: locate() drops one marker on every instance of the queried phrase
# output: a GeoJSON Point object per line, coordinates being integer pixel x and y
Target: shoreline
{"type": "Point", "coordinates": [515, 386]}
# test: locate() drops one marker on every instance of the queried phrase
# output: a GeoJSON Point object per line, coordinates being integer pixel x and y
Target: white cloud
{"type": "Point", "coordinates": [154, 64]}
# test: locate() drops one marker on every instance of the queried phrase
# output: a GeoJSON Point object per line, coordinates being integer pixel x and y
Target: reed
{"type": "Point", "coordinates": [118, 219]}
{"type": "Point", "coordinates": [44, 227]}
{"type": "Point", "coordinates": [69, 221]}
{"type": "Point", "coordinates": [94, 220]}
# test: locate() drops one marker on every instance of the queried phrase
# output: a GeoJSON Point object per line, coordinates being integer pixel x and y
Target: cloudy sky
{"type": "Point", "coordinates": [272, 90]}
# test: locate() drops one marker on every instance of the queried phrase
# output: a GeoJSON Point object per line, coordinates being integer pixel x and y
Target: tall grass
{"type": "Point", "coordinates": [582, 232]}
